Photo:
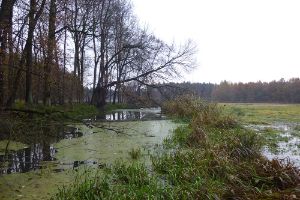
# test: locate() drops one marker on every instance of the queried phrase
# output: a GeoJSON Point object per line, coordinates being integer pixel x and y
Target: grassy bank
{"type": "Point", "coordinates": [262, 113]}
{"type": "Point", "coordinates": [211, 157]}
{"type": "Point", "coordinates": [110, 107]}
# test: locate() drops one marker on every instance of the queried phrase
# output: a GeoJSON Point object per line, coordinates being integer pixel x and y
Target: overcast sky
{"type": "Point", "coordinates": [238, 40]}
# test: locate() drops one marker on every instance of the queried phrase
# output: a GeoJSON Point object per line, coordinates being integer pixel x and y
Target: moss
{"type": "Point", "coordinates": [33, 185]}
{"type": "Point", "coordinates": [110, 107]}
{"type": "Point", "coordinates": [56, 112]}
{"type": "Point", "coordinates": [105, 145]}
{"type": "Point", "coordinates": [12, 146]}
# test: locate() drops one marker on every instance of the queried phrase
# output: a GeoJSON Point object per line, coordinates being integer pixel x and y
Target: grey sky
{"type": "Point", "coordinates": [238, 40]}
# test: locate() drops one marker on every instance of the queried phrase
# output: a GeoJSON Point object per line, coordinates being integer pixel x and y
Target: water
{"type": "Point", "coordinates": [30, 157]}
{"type": "Point", "coordinates": [35, 171]}
{"type": "Point", "coordinates": [27, 159]}
{"type": "Point", "coordinates": [287, 147]}
{"type": "Point", "coordinates": [134, 114]}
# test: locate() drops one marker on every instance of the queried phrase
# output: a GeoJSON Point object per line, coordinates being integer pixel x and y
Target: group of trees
{"type": "Point", "coordinates": [53, 50]}
{"type": "Point", "coordinates": [276, 91]}
{"type": "Point", "coordinates": [254, 92]}
{"type": "Point", "coordinates": [58, 51]}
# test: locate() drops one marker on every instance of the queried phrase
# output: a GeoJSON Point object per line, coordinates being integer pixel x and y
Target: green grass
{"type": "Point", "coordinates": [267, 114]}
{"type": "Point", "coordinates": [118, 182]}
{"type": "Point", "coordinates": [212, 157]}
{"type": "Point", "coordinates": [229, 166]}
{"type": "Point", "coordinates": [264, 113]}
{"type": "Point", "coordinates": [297, 128]}
{"type": "Point", "coordinates": [135, 153]}
{"type": "Point", "coordinates": [271, 137]}
{"type": "Point", "coordinates": [71, 112]}
{"type": "Point", "coordinates": [110, 107]}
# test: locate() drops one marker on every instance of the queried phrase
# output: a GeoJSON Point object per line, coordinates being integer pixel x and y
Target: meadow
{"type": "Point", "coordinates": [260, 113]}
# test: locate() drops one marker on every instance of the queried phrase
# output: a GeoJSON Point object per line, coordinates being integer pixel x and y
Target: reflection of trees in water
{"type": "Point", "coordinates": [32, 131]}
{"type": "Point", "coordinates": [42, 135]}
{"type": "Point", "coordinates": [129, 115]}
{"type": "Point", "coordinates": [40, 138]}
{"type": "Point", "coordinates": [27, 159]}
{"type": "Point", "coordinates": [123, 115]}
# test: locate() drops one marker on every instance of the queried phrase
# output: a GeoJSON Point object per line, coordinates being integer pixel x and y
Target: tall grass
{"type": "Point", "coordinates": [212, 157]}
{"type": "Point", "coordinates": [199, 111]}
{"type": "Point", "coordinates": [135, 153]}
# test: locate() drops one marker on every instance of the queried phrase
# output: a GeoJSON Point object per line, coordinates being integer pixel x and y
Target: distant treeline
{"type": "Point", "coordinates": [281, 91]}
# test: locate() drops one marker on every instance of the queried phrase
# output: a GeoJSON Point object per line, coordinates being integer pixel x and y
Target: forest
{"type": "Point", "coordinates": [52, 51]}
{"type": "Point", "coordinates": [280, 91]}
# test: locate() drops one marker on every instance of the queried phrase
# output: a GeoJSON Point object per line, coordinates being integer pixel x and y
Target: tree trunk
{"type": "Point", "coordinates": [115, 95]}
{"type": "Point", "coordinates": [15, 87]}
{"type": "Point", "coordinates": [50, 54]}
{"type": "Point", "coordinates": [11, 57]}
{"type": "Point", "coordinates": [6, 14]}
{"type": "Point", "coordinates": [28, 97]}
{"type": "Point", "coordinates": [64, 70]}
{"type": "Point", "coordinates": [99, 96]}
{"type": "Point", "coordinates": [81, 89]}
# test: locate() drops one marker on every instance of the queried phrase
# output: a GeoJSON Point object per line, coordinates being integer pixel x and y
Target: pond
{"type": "Point", "coordinates": [33, 171]}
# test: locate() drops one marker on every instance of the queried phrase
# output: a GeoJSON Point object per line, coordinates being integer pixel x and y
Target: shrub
{"type": "Point", "coordinates": [199, 112]}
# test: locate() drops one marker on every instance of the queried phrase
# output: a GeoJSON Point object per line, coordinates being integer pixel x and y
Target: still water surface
{"type": "Point", "coordinates": [33, 171]}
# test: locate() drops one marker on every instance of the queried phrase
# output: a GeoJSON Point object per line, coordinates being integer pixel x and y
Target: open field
{"type": "Point", "coordinates": [261, 113]}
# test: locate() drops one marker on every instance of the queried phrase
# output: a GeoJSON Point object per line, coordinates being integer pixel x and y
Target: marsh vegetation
{"type": "Point", "coordinates": [210, 156]}
{"type": "Point", "coordinates": [195, 150]}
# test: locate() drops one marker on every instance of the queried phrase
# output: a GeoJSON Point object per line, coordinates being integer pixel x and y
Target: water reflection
{"type": "Point", "coordinates": [31, 158]}
{"type": "Point", "coordinates": [27, 159]}
{"type": "Point", "coordinates": [41, 143]}
{"type": "Point", "coordinates": [133, 114]}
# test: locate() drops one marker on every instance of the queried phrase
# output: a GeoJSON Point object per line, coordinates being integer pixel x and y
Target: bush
{"type": "Point", "coordinates": [199, 112]}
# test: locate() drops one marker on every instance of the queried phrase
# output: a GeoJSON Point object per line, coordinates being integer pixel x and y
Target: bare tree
{"type": "Point", "coordinates": [103, 34]}
{"type": "Point", "coordinates": [27, 55]}
{"type": "Point", "coordinates": [50, 53]}
{"type": "Point", "coordinates": [6, 14]}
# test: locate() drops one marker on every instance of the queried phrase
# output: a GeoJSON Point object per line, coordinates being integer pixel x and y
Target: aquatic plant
{"type": "Point", "coordinates": [297, 128]}
{"type": "Point", "coordinates": [135, 153]}
{"type": "Point", "coordinates": [211, 157]}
